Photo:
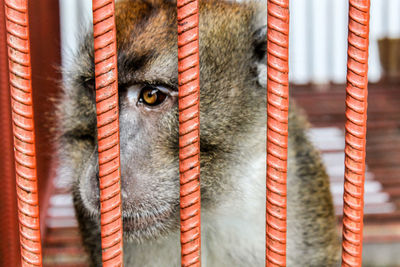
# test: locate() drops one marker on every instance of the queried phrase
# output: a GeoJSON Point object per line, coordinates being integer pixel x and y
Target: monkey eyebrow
{"type": "Point", "coordinates": [129, 63]}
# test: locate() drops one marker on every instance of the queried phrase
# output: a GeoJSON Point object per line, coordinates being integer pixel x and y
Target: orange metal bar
{"type": "Point", "coordinates": [277, 130]}
{"type": "Point", "coordinates": [9, 243]}
{"type": "Point", "coordinates": [356, 129]}
{"type": "Point", "coordinates": [23, 129]}
{"type": "Point", "coordinates": [105, 57]}
{"type": "Point", "coordinates": [189, 132]}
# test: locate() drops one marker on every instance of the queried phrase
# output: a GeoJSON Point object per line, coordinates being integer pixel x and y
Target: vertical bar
{"type": "Point", "coordinates": [106, 80]}
{"type": "Point", "coordinates": [277, 130]}
{"type": "Point", "coordinates": [23, 129]}
{"type": "Point", "coordinates": [9, 244]}
{"type": "Point", "coordinates": [356, 128]}
{"type": "Point", "coordinates": [189, 138]}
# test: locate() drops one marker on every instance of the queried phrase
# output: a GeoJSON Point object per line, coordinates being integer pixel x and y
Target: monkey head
{"type": "Point", "coordinates": [232, 111]}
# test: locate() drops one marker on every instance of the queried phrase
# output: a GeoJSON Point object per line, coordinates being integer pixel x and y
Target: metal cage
{"type": "Point", "coordinates": [18, 46]}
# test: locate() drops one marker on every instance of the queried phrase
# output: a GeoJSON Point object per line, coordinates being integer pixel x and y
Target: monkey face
{"type": "Point", "coordinates": [232, 108]}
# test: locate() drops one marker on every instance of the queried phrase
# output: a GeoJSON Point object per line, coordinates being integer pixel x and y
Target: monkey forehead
{"type": "Point", "coordinates": [147, 34]}
{"type": "Point", "coordinates": [140, 23]}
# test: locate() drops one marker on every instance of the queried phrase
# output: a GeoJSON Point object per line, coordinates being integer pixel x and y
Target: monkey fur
{"type": "Point", "coordinates": [232, 143]}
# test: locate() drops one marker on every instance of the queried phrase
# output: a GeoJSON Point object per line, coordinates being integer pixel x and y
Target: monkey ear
{"type": "Point", "coordinates": [260, 44]}
{"type": "Point", "coordinates": [260, 54]}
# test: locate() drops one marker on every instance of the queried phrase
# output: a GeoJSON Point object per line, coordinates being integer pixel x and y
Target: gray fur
{"type": "Point", "coordinates": [233, 120]}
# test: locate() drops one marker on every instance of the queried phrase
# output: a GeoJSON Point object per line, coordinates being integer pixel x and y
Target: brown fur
{"type": "Point", "coordinates": [232, 48]}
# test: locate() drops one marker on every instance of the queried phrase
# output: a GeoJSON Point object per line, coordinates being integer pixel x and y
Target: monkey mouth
{"type": "Point", "coordinates": [149, 224]}
{"type": "Point", "coordinates": [140, 221]}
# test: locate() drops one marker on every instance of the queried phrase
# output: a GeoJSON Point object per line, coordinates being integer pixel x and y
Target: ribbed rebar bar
{"type": "Point", "coordinates": [356, 129]}
{"type": "Point", "coordinates": [23, 128]}
{"type": "Point", "coordinates": [106, 79]}
{"type": "Point", "coordinates": [277, 130]}
{"type": "Point", "coordinates": [9, 246]}
{"type": "Point", "coordinates": [189, 131]}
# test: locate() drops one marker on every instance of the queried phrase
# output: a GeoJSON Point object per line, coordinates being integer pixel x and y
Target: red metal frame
{"type": "Point", "coordinates": [277, 130]}
{"type": "Point", "coordinates": [9, 246]}
{"type": "Point", "coordinates": [23, 128]}
{"type": "Point", "coordinates": [356, 129]}
{"type": "Point", "coordinates": [189, 140]}
{"type": "Point", "coordinates": [105, 57]}
{"type": "Point", "coordinates": [189, 130]}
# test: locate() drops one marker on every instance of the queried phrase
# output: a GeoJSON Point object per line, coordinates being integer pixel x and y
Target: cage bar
{"type": "Point", "coordinates": [277, 130]}
{"type": "Point", "coordinates": [17, 26]}
{"type": "Point", "coordinates": [189, 131]}
{"type": "Point", "coordinates": [356, 129]}
{"type": "Point", "coordinates": [106, 80]}
{"type": "Point", "coordinates": [9, 246]}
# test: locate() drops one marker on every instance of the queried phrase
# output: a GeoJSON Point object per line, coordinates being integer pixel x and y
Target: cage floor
{"type": "Point", "coordinates": [325, 107]}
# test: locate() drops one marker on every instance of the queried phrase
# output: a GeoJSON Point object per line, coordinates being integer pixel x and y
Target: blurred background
{"type": "Point", "coordinates": [318, 54]}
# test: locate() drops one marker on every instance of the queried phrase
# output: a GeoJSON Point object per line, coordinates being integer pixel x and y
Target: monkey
{"type": "Point", "coordinates": [232, 142]}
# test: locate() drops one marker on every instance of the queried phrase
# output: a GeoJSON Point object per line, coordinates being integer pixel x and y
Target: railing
{"type": "Point", "coordinates": [16, 12]}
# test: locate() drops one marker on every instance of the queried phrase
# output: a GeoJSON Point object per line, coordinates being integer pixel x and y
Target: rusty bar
{"type": "Point", "coordinates": [277, 130]}
{"type": "Point", "coordinates": [356, 129]}
{"type": "Point", "coordinates": [9, 244]}
{"type": "Point", "coordinates": [23, 128]}
{"type": "Point", "coordinates": [106, 80]}
{"type": "Point", "coordinates": [189, 131]}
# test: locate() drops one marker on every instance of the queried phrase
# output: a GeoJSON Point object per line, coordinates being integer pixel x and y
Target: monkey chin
{"type": "Point", "coordinates": [149, 225]}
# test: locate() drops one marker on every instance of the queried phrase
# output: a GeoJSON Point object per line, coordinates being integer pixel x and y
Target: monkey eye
{"type": "Point", "coordinates": [151, 95]}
